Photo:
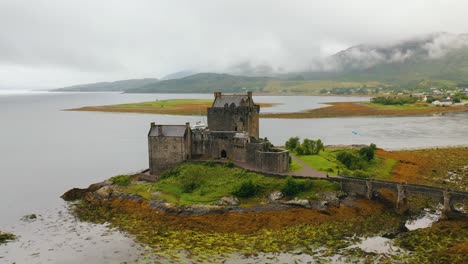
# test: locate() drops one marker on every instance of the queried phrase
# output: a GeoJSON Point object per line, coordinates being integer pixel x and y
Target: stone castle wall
{"type": "Point", "coordinates": [272, 161]}
{"type": "Point", "coordinates": [166, 152]}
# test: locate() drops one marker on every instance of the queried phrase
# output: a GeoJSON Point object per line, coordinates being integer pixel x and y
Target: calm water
{"type": "Point", "coordinates": [45, 151]}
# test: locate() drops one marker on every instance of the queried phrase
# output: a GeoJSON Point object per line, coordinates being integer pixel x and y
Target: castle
{"type": "Point", "coordinates": [232, 133]}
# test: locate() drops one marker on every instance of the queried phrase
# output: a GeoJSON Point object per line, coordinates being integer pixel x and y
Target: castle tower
{"type": "Point", "coordinates": [233, 112]}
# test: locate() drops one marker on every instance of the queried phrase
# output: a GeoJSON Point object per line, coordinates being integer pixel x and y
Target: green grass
{"type": "Point", "coordinates": [326, 161]}
{"type": "Point", "coordinates": [294, 166]}
{"type": "Point", "coordinates": [397, 107]}
{"type": "Point", "coordinates": [217, 181]}
{"type": "Point", "coordinates": [166, 104]}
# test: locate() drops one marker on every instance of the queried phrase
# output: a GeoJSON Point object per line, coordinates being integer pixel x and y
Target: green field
{"type": "Point", "coordinates": [214, 181]}
{"type": "Point", "coordinates": [398, 107]}
{"type": "Point", "coordinates": [163, 104]}
{"type": "Point", "coordinates": [326, 161]}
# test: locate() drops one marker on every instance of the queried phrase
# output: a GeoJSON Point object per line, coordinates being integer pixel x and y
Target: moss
{"type": "Point", "coordinates": [245, 233]}
{"type": "Point", "coordinates": [5, 237]}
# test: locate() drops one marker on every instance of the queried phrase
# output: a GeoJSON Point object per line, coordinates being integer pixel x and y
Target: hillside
{"type": "Point", "coordinates": [117, 86]}
{"type": "Point", "coordinates": [440, 56]}
{"type": "Point", "coordinates": [204, 83]}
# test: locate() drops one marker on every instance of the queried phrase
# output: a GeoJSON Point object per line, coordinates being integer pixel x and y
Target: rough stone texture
{"type": "Point", "coordinates": [277, 161]}
{"type": "Point", "coordinates": [232, 133]}
{"type": "Point", "coordinates": [275, 196]}
{"type": "Point", "coordinates": [227, 201]}
{"type": "Point", "coordinates": [105, 192]}
{"type": "Point", "coordinates": [329, 199]}
{"type": "Point", "coordinates": [298, 202]}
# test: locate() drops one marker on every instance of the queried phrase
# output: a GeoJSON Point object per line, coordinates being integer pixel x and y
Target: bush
{"type": "Point", "coordinates": [121, 180]}
{"type": "Point", "coordinates": [190, 179]}
{"type": "Point", "coordinates": [246, 189]}
{"type": "Point", "coordinates": [351, 161]}
{"type": "Point", "coordinates": [292, 187]}
{"type": "Point", "coordinates": [394, 100]}
{"type": "Point", "coordinates": [368, 152]}
{"type": "Point", "coordinates": [361, 174]}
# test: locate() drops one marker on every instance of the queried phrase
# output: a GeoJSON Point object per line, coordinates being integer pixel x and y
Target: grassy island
{"type": "Point", "coordinates": [168, 107]}
{"type": "Point", "coordinates": [350, 109]}
{"type": "Point", "coordinates": [338, 109]}
{"type": "Point", "coordinates": [212, 237]}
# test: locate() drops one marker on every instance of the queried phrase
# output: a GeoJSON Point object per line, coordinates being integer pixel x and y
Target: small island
{"type": "Point", "coordinates": [379, 106]}
{"type": "Point", "coordinates": [214, 191]}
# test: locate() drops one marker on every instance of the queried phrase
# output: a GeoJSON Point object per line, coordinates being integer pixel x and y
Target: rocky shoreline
{"type": "Point", "coordinates": [106, 190]}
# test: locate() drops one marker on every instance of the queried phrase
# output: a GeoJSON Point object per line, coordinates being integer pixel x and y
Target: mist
{"type": "Point", "coordinates": [51, 43]}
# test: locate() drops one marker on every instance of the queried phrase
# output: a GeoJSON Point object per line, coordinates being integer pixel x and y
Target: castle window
{"type": "Point", "coordinates": [233, 105]}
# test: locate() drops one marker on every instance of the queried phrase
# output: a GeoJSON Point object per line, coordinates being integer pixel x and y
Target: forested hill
{"type": "Point", "coordinates": [205, 83]}
{"type": "Point", "coordinates": [117, 86]}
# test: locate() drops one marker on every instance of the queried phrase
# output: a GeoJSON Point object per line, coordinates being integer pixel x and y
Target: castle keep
{"type": "Point", "coordinates": [232, 133]}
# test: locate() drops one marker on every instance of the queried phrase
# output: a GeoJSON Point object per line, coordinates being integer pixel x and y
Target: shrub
{"type": "Point", "coordinates": [121, 180]}
{"type": "Point", "coordinates": [191, 178]}
{"type": "Point", "coordinates": [351, 161]}
{"type": "Point", "coordinates": [246, 189]}
{"type": "Point", "coordinates": [292, 187]}
{"type": "Point", "coordinates": [368, 152]}
{"type": "Point", "coordinates": [361, 174]}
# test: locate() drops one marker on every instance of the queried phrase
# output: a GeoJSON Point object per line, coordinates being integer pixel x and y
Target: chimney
{"type": "Point", "coordinates": [160, 133]}
{"type": "Point", "coordinates": [152, 124]}
{"type": "Point", "coordinates": [217, 94]}
{"type": "Point", "coordinates": [249, 94]}
{"type": "Point", "coordinates": [187, 125]}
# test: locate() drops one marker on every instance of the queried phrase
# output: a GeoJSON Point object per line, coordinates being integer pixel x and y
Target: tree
{"type": "Point", "coordinates": [292, 143]}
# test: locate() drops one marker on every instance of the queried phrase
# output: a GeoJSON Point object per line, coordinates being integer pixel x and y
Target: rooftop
{"type": "Point", "coordinates": [168, 130]}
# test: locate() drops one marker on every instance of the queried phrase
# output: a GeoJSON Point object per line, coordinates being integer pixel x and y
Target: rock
{"type": "Point", "coordinates": [274, 196]}
{"type": "Point", "coordinates": [74, 194]}
{"type": "Point", "coordinates": [29, 218]}
{"type": "Point", "coordinates": [329, 199]}
{"type": "Point", "coordinates": [298, 202]}
{"type": "Point", "coordinates": [227, 201]}
{"type": "Point", "coordinates": [146, 177]}
{"type": "Point", "coordinates": [77, 193]}
{"type": "Point", "coordinates": [105, 192]}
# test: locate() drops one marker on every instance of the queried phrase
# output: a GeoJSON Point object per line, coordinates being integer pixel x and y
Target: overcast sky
{"type": "Point", "coordinates": [64, 42]}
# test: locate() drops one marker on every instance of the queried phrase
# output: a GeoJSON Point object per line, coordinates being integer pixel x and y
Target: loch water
{"type": "Point", "coordinates": [45, 151]}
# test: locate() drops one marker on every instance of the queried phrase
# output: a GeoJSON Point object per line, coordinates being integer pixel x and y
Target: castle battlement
{"type": "Point", "coordinates": [232, 133]}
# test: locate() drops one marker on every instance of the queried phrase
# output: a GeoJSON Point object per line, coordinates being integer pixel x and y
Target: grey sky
{"type": "Point", "coordinates": [57, 43]}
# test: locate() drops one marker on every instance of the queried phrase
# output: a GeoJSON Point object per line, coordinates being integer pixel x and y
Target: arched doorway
{"type": "Point", "coordinates": [223, 154]}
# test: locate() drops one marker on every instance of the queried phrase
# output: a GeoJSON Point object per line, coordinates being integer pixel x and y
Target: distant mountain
{"type": "Point", "coordinates": [441, 56]}
{"type": "Point", "coordinates": [178, 75]}
{"type": "Point", "coordinates": [117, 86]}
{"type": "Point", "coordinates": [204, 83]}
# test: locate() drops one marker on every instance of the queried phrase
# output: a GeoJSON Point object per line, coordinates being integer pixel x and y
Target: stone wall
{"type": "Point", "coordinates": [241, 118]}
{"type": "Point", "coordinates": [275, 160]}
{"type": "Point", "coordinates": [166, 152]}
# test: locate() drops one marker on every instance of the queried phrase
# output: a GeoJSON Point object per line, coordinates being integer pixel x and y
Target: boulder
{"type": "Point", "coordinates": [227, 201]}
{"type": "Point", "coordinates": [298, 202]}
{"type": "Point", "coordinates": [329, 199]}
{"type": "Point", "coordinates": [105, 192]}
{"type": "Point", "coordinates": [275, 196]}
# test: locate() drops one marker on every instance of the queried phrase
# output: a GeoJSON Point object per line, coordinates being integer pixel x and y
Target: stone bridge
{"type": "Point", "coordinates": [369, 187]}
